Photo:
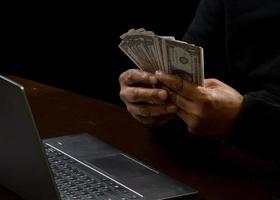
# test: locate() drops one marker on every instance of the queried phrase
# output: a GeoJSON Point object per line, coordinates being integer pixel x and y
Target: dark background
{"type": "Point", "coordinates": [75, 46]}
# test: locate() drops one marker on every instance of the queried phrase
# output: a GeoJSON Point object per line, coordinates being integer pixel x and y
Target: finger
{"type": "Point", "coordinates": [177, 84]}
{"type": "Point", "coordinates": [147, 110]}
{"type": "Point", "coordinates": [134, 76]}
{"type": "Point", "coordinates": [138, 94]}
{"type": "Point", "coordinates": [210, 83]}
{"type": "Point", "coordinates": [185, 104]}
{"type": "Point", "coordinates": [213, 83]}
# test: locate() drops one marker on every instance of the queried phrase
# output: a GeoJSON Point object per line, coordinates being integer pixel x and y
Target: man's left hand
{"type": "Point", "coordinates": [210, 110]}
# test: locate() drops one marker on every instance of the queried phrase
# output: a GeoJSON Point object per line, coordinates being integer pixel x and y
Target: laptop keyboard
{"type": "Point", "coordinates": [75, 183]}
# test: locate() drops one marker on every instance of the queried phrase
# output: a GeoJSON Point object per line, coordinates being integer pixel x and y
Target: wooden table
{"type": "Point", "coordinates": [218, 171]}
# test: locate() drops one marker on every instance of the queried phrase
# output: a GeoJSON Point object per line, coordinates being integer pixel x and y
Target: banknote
{"type": "Point", "coordinates": [151, 52]}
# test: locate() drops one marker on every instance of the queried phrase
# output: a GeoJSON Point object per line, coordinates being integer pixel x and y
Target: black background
{"type": "Point", "coordinates": [75, 46]}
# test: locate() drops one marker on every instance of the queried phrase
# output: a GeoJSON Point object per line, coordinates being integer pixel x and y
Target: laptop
{"type": "Point", "coordinates": [70, 167]}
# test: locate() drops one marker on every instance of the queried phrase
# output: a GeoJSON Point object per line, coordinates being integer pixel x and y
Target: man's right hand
{"type": "Point", "coordinates": [146, 103]}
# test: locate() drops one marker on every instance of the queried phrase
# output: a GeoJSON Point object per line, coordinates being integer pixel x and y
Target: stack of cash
{"type": "Point", "coordinates": [151, 52]}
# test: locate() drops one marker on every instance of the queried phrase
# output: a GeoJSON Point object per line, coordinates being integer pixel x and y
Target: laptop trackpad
{"type": "Point", "coordinates": [121, 166]}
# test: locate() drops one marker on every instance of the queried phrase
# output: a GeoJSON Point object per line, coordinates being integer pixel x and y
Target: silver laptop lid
{"type": "Point", "coordinates": [24, 169]}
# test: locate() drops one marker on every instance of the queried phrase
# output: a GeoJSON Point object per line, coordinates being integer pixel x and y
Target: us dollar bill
{"type": "Point", "coordinates": [151, 52]}
{"type": "Point", "coordinates": [184, 60]}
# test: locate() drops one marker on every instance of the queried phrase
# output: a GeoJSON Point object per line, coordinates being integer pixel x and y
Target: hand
{"type": "Point", "coordinates": [145, 102]}
{"type": "Point", "coordinates": [209, 111]}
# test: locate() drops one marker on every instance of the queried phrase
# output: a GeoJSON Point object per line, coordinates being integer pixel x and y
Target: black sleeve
{"type": "Point", "coordinates": [257, 130]}
{"type": "Point", "coordinates": [208, 31]}
{"type": "Point", "coordinates": [207, 25]}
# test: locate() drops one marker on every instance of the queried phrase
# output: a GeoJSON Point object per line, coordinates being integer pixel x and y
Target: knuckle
{"type": "Point", "coordinates": [122, 95]}
{"type": "Point", "coordinates": [132, 71]}
{"type": "Point", "coordinates": [206, 100]}
{"type": "Point", "coordinates": [121, 77]}
{"type": "Point", "coordinates": [145, 76]}
{"type": "Point", "coordinates": [127, 76]}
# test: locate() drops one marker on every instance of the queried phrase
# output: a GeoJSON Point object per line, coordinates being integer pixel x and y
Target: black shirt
{"type": "Point", "coordinates": [241, 42]}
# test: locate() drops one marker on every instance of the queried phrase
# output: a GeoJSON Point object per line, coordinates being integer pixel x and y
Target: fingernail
{"type": "Point", "coordinates": [163, 95]}
{"type": "Point", "coordinates": [153, 80]}
{"type": "Point", "coordinates": [172, 108]}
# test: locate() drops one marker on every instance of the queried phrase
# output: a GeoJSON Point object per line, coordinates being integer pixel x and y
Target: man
{"type": "Point", "coordinates": [241, 104]}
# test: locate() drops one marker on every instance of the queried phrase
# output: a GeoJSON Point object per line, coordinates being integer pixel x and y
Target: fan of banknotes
{"type": "Point", "coordinates": [151, 52]}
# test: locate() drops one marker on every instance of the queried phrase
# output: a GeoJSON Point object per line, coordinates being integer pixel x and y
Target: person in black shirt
{"type": "Point", "coordinates": [240, 99]}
